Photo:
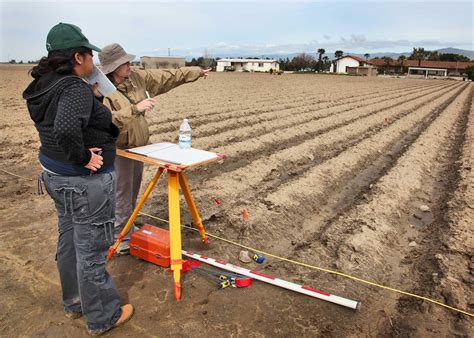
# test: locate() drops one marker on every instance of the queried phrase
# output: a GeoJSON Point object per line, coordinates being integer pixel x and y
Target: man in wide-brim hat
{"type": "Point", "coordinates": [134, 98]}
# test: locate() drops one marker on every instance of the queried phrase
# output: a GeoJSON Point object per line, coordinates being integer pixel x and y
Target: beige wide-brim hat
{"type": "Point", "coordinates": [113, 56]}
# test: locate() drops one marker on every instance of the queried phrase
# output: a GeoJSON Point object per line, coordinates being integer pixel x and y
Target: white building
{"type": "Point", "coordinates": [340, 65]}
{"type": "Point", "coordinates": [251, 65]}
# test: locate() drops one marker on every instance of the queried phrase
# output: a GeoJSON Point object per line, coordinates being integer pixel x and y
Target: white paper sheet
{"type": "Point", "coordinates": [145, 150]}
{"type": "Point", "coordinates": [172, 153]}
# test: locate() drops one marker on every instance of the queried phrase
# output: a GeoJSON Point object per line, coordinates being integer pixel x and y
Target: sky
{"type": "Point", "coordinates": [240, 28]}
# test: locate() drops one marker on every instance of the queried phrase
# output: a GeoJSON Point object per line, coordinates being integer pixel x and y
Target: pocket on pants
{"type": "Point", "coordinates": [80, 207]}
{"type": "Point", "coordinates": [94, 271]}
{"type": "Point", "coordinates": [70, 199]}
{"type": "Point", "coordinates": [102, 235]}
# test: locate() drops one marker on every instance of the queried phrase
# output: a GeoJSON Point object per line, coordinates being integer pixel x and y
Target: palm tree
{"type": "Point", "coordinates": [419, 54]}
{"type": "Point", "coordinates": [338, 54]}
{"type": "Point", "coordinates": [402, 59]}
{"type": "Point", "coordinates": [366, 55]}
{"type": "Point", "coordinates": [321, 51]}
{"type": "Point", "coordinates": [387, 60]}
{"type": "Point", "coordinates": [326, 62]}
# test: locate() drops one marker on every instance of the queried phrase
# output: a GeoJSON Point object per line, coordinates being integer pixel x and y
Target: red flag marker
{"type": "Point", "coordinates": [245, 215]}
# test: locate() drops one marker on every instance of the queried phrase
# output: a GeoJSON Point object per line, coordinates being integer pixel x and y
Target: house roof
{"type": "Point", "coordinates": [355, 58]}
{"type": "Point", "coordinates": [425, 63]}
{"type": "Point", "coordinates": [248, 60]}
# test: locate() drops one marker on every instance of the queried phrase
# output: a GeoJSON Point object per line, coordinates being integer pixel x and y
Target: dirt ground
{"type": "Point", "coordinates": [332, 172]}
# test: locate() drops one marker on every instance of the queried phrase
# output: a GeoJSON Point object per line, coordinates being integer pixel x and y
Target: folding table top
{"type": "Point", "coordinates": [170, 156]}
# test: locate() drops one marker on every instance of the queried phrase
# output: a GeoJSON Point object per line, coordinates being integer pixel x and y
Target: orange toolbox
{"type": "Point", "coordinates": [151, 244]}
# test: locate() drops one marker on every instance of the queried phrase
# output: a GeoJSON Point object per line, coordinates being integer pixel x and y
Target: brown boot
{"type": "Point", "coordinates": [127, 313]}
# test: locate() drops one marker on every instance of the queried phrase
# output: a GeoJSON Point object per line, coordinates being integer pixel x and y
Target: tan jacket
{"type": "Point", "coordinates": [133, 125]}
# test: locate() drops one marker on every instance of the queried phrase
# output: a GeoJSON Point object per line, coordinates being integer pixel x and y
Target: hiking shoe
{"type": "Point", "coordinates": [73, 315]}
{"type": "Point", "coordinates": [127, 313]}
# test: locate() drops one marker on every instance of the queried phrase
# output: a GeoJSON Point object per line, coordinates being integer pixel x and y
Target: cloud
{"type": "Point", "coordinates": [356, 43]}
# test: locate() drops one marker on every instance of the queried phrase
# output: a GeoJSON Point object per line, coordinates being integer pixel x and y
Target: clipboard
{"type": "Point", "coordinates": [172, 153]}
{"type": "Point", "coordinates": [104, 86]}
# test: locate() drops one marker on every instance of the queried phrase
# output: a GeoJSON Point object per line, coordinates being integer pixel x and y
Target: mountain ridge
{"type": "Point", "coordinates": [393, 55]}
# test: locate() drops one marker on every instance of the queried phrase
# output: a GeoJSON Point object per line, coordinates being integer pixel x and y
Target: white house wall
{"type": "Point", "coordinates": [251, 66]}
{"type": "Point", "coordinates": [346, 62]}
{"type": "Point", "coordinates": [221, 65]}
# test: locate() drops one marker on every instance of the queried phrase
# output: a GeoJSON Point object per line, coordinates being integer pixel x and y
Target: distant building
{"type": "Point", "coordinates": [423, 68]}
{"type": "Point", "coordinates": [251, 65]}
{"type": "Point", "coordinates": [343, 64]}
{"type": "Point", "coordinates": [162, 62]}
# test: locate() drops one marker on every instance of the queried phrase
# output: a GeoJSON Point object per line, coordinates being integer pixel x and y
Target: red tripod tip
{"type": "Point", "coordinates": [177, 291]}
{"type": "Point", "coordinates": [111, 253]}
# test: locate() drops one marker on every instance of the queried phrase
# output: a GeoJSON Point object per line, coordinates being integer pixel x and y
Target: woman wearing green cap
{"type": "Point", "coordinates": [77, 154]}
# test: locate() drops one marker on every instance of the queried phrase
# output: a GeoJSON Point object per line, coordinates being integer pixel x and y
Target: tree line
{"type": "Point", "coordinates": [421, 54]}
{"type": "Point", "coordinates": [319, 62]}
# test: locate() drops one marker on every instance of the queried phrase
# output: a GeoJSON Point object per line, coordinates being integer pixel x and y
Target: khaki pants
{"type": "Point", "coordinates": [129, 178]}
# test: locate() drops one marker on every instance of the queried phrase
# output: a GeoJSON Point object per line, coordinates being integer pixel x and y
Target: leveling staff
{"type": "Point", "coordinates": [128, 105]}
{"type": "Point", "coordinates": [73, 128]}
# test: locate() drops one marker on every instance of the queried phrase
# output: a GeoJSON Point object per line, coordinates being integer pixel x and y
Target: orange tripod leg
{"type": "Point", "coordinates": [192, 207]}
{"type": "Point", "coordinates": [175, 231]}
{"type": "Point", "coordinates": [135, 213]}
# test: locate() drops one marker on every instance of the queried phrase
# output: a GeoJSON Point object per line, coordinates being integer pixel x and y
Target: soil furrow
{"type": "Point", "coordinates": [217, 128]}
{"type": "Point", "coordinates": [218, 133]}
{"type": "Point", "coordinates": [303, 196]}
{"type": "Point", "coordinates": [245, 184]}
{"type": "Point", "coordinates": [445, 249]}
{"type": "Point", "coordinates": [254, 101]}
{"type": "Point", "coordinates": [309, 133]}
{"type": "Point", "coordinates": [360, 186]}
{"type": "Point", "coordinates": [230, 113]}
{"type": "Point", "coordinates": [376, 234]}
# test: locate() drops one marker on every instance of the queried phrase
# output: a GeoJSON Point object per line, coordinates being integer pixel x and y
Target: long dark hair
{"type": "Point", "coordinates": [58, 61]}
{"type": "Point", "coordinates": [110, 76]}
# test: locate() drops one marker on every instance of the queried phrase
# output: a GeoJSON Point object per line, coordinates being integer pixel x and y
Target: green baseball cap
{"type": "Point", "coordinates": [66, 36]}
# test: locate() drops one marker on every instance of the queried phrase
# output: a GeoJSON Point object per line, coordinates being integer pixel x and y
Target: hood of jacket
{"type": "Point", "coordinates": [40, 93]}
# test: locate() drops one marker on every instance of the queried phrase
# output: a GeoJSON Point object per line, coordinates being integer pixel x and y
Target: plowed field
{"type": "Point", "coordinates": [332, 171]}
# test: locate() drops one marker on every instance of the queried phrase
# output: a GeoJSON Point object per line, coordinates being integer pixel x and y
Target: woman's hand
{"type": "Point", "coordinates": [146, 104]}
{"type": "Point", "coordinates": [96, 160]}
{"type": "Point", "coordinates": [205, 73]}
{"type": "Point", "coordinates": [96, 91]}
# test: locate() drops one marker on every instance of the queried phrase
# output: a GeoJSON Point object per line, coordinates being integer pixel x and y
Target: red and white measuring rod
{"type": "Point", "coordinates": [355, 305]}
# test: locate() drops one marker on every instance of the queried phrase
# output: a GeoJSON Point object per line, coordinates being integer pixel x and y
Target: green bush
{"type": "Point", "coordinates": [470, 72]}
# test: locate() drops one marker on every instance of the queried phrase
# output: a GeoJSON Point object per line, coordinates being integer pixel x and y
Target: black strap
{"type": "Point", "coordinates": [128, 98]}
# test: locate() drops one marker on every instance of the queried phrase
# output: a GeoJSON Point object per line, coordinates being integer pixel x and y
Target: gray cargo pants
{"type": "Point", "coordinates": [85, 207]}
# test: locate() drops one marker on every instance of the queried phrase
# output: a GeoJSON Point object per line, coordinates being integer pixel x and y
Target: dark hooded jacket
{"type": "Point", "coordinates": [70, 120]}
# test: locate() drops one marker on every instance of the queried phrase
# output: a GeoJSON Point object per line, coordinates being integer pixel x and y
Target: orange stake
{"type": "Point", "coordinates": [175, 231]}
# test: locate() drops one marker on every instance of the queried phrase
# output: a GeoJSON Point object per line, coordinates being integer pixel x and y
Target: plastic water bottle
{"type": "Point", "coordinates": [184, 140]}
